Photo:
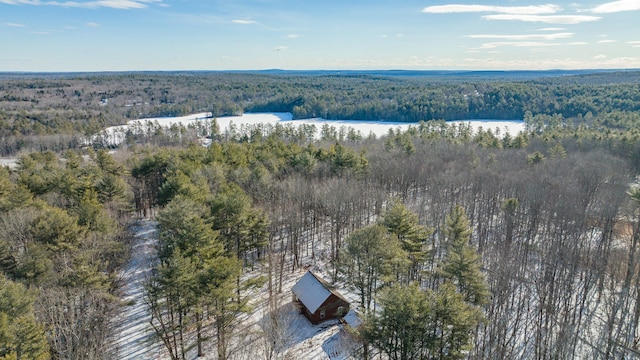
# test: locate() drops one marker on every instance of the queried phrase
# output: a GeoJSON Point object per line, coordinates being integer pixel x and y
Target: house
{"type": "Point", "coordinates": [316, 299]}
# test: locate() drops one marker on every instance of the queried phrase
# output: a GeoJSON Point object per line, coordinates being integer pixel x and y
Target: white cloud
{"type": "Point", "coordinates": [280, 48]}
{"type": "Point", "coordinates": [292, 36]}
{"type": "Point", "coordinates": [114, 4]}
{"type": "Point", "coordinates": [463, 8]}
{"type": "Point", "coordinates": [548, 19]}
{"type": "Point", "coordinates": [92, 24]}
{"type": "Point", "coordinates": [575, 43]}
{"type": "Point", "coordinates": [15, 25]}
{"type": "Point", "coordinates": [617, 6]}
{"type": "Point", "coordinates": [552, 29]}
{"type": "Point", "coordinates": [119, 4]}
{"type": "Point", "coordinates": [548, 63]}
{"type": "Point", "coordinates": [524, 37]}
{"type": "Point", "coordinates": [606, 41]}
{"type": "Point", "coordinates": [600, 57]}
{"type": "Point", "coordinates": [243, 22]}
{"type": "Point", "coordinates": [493, 45]}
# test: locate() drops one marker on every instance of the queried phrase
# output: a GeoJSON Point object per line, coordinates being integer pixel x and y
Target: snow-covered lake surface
{"type": "Point", "coordinates": [116, 134]}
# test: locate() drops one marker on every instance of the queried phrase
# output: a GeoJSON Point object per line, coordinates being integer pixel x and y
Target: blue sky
{"type": "Point", "coordinates": [114, 35]}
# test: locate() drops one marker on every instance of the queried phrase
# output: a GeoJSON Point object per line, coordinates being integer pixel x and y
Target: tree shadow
{"type": "Point", "coordinates": [287, 327]}
{"type": "Point", "coordinates": [340, 346]}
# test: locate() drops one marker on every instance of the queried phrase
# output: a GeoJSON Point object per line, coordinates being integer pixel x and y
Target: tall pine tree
{"type": "Point", "coordinates": [404, 224]}
{"type": "Point", "coordinates": [462, 263]}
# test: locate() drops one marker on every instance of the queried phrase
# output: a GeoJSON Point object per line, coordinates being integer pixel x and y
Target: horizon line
{"type": "Point", "coordinates": [311, 70]}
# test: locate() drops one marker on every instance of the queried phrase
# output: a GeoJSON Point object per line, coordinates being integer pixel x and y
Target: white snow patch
{"type": "Point", "coordinates": [9, 162]}
{"type": "Point", "coordinates": [115, 135]}
{"type": "Point", "coordinates": [132, 333]}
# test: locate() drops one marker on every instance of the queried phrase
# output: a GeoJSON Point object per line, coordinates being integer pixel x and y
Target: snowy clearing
{"type": "Point", "coordinates": [133, 337]}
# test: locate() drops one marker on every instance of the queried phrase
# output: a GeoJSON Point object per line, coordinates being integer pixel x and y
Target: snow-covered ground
{"type": "Point", "coordinates": [10, 162]}
{"type": "Point", "coordinates": [116, 134]}
{"type": "Point", "coordinates": [296, 337]}
{"type": "Point", "coordinates": [132, 334]}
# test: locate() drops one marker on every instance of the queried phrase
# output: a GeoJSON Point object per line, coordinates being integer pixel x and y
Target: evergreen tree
{"type": "Point", "coordinates": [5, 188]}
{"type": "Point", "coordinates": [403, 326]}
{"type": "Point", "coordinates": [462, 263]}
{"type": "Point", "coordinates": [454, 321]}
{"type": "Point", "coordinates": [196, 279]}
{"type": "Point", "coordinates": [21, 336]}
{"type": "Point", "coordinates": [413, 237]}
{"type": "Point", "coordinates": [57, 229]}
{"type": "Point", "coordinates": [241, 226]}
{"type": "Point", "coordinates": [370, 259]}
{"type": "Point", "coordinates": [422, 324]}
{"type": "Point", "coordinates": [170, 295]}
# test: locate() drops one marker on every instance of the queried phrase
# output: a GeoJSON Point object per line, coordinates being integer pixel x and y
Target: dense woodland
{"type": "Point", "coordinates": [40, 112]}
{"type": "Point", "coordinates": [473, 245]}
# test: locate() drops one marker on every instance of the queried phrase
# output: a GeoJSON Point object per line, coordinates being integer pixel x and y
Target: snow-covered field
{"type": "Point", "coordinates": [116, 134]}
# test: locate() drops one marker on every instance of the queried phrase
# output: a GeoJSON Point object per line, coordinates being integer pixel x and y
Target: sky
{"type": "Point", "coordinates": [132, 35]}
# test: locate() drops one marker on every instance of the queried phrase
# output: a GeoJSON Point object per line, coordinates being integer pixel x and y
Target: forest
{"type": "Point", "coordinates": [49, 112]}
{"type": "Point", "coordinates": [458, 244]}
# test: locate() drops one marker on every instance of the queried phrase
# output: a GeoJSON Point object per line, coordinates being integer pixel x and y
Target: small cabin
{"type": "Point", "coordinates": [317, 301]}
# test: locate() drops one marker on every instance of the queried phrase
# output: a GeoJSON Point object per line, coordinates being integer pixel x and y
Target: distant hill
{"type": "Point", "coordinates": [597, 76]}
{"type": "Point", "coordinates": [512, 75]}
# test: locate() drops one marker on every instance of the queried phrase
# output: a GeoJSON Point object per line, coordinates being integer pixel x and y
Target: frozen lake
{"type": "Point", "coordinates": [116, 134]}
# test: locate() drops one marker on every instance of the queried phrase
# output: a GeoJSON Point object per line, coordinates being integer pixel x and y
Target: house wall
{"type": "Point", "coordinates": [330, 307]}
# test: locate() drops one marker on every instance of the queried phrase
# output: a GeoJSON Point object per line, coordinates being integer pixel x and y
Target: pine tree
{"type": "Point", "coordinates": [21, 336]}
{"type": "Point", "coordinates": [404, 224]}
{"type": "Point", "coordinates": [402, 329]}
{"type": "Point", "coordinates": [241, 226]}
{"type": "Point", "coordinates": [196, 279]}
{"type": "Point", "coordinates": [170, 295]}
{"type": "Point", "coordinates": [454, 321]}
{"type": "Point", "coordinates": [462, 263]}
{"type": "Point", "coordinates": [422, 324]}
{"type": "Point", "coordinates": [371, 255]}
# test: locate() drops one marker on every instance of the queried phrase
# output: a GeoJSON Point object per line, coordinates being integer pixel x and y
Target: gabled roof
{"type": "Point", "coordinates": [312, 291]}
{"type": "Point", "coordinates": [353, 319]}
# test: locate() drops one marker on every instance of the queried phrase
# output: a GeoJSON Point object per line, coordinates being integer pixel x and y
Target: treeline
{"type": "Point", "coordinates": [86, 103]}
